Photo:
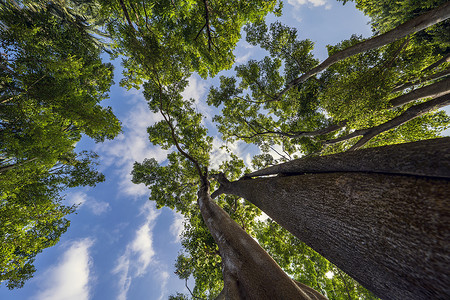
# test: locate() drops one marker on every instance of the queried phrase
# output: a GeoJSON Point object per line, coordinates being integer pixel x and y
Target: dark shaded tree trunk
{"type": "Point", "coordinates": [248, 271]}
{"type": "Point", "coordinates": [390, 232]}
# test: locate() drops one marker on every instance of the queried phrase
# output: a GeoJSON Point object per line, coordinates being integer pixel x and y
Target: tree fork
{"type": "Point", "coordinates": [388, 231]}
{"type": "Point", "coordinates": [248, 271]}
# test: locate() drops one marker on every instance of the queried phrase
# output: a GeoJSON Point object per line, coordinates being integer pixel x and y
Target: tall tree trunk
{"type": "Point", "coordinates": [248, 271]}
{"type": "Point", "coordinates": [419, 23]}
{"type": "Point", "coordinates": [390, 232]}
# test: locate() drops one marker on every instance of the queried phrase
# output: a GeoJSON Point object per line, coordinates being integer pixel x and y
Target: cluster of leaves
{"type": "Point", "coordinates": [316, 112]}
{"type": "Point", "coordinates": [52, 81]}
{"type": "Point", "coordinates": [164, 39]}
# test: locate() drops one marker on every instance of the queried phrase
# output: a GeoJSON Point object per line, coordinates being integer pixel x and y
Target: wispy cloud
{"type": "Point", "coordinates": [132, 145]}
{"type": "Point", "coordinates": [164, 279]}
{"type": "Point", "coordinates": [69, 279]}
{"type": "Point", "coordinates": [298, 3]}
{"type": "Point", "coordinates": [138, 254]}
{"type": "Point", "coordinates": [177, 226]}
{"type": "Point", "coordinates": [244, 58]}
{"type": "Point", "coordinates": [83, 200]}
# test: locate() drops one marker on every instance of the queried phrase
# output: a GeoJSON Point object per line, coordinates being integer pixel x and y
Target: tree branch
{"type": "Point", "coordinates": [409, 84]}
{"type": "Point", "coordinates": [419, 23]}
{"type": "Point", "coordinates": [437, 89]}
{"type": "Point", "coordinates": [125, 12]}
{"type": "Point", "coordinates": [411, 113]}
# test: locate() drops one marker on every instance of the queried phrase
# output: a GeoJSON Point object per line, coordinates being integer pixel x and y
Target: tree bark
{"type": "Point", "coordinates": [248, 271]}
{"type": "Point", "coordinates": [429, 158]}
{"type": "Point", "coordinates": [389, 232]}
{"type": "Point", "coordinates": [434, 90]}
{"type": "Point", "coordinates": [409, 84]}
{"type": "Point", "coordinates": [419, 23]}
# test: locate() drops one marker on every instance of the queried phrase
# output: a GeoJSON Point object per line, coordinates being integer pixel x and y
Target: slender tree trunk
{"type": "Point", "coordinates": [434, 90]}
{"type": "Point", "coordinates": [248, 271]}
{"type": "Point", "coordinates": [419, 23]}
{"type": "Point", "coordinates": [390, 232]}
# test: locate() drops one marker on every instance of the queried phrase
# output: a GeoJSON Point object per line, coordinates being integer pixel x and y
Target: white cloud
{"type": "Point", "coordinates": [83, 200]}
{"type": "Point", "coordinates": [196, 88]}
{"type": "Point", "coordinates": [132, 145]}
{"type": "Point", "coordinates": [163, 278]}
{"type": "Point", "coordinates": [298, 3]}
{"type": "Point", "coordinates": [138, 255]}
{"type": "Point", "coordinates": [243, 58]}
{"type": "Point", "coordinates": [70, 278]}
{"type": "Point", "coordinates": [177, 226]}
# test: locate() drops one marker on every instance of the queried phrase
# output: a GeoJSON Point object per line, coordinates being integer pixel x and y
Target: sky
{"type": "Point", "coordinates": [119, 246]}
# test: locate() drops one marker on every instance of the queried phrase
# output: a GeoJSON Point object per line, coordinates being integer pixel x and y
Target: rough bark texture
{"type": "Point", "coordinates": [248, 271]}
{"type": "Point", "coordinates": [389, 232]}
{"type": "Point", "coordinates": [428, 19]}
{"type": "Point", "coordinates": [425, 158]}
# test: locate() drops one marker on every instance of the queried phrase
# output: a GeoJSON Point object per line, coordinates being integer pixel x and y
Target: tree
{"type": "Point", "coordinates": [371, 209]}
{"type": "Point", "coordinates": [248, 271]}
{"type": "Point", "coordinates": [52, 83]}
{"type": "Point", "coordinates": [307, 266]}
{"type": "Point", "coordinates": [260, 91]}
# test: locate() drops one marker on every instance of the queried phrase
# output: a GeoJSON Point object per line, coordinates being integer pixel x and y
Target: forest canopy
{"type": "Point", "coordinates": [370, 92]}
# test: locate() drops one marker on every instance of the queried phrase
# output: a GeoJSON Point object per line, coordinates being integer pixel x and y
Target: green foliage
{"type": "Point", "coordinates": [189, 36]}
{"type": "Point", "coordinates": [52, 81]}
{"type": "Point", "coordinates": [308, 117]}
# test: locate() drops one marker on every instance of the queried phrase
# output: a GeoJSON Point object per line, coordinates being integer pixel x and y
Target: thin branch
{"type": "Point", "coordinates": [185, 283]}
{"type": "Point", "coordinates": [208, 26]}
{"type": "Point", "coordinates": [345, 283]}
{"type": "Point", "coordinates": [438, 63]}
{"type": "Point", "coordinates": [125, 12]}
{"type": "Point", "coordinates": [177, 145]}
{"type": "Point", "coordinates": [434, 90]}
{"type": "Point", "coordinates": [409, 84]}
{"type": "Point", "coordinates": [295, 134]}
{"type": "Point", "coordinates": [200, 31]}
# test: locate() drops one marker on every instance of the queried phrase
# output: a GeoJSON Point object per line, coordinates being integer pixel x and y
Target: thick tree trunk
{"type": "Point", "coordinates": [248, 271]}
{"type": "Point", "coordinates": [390, 232]}
{"type": "Point", "coordinates": [428, 19]}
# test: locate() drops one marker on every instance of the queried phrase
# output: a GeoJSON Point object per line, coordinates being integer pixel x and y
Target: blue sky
{"type": "Point", "coordinates": [118, 245]}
